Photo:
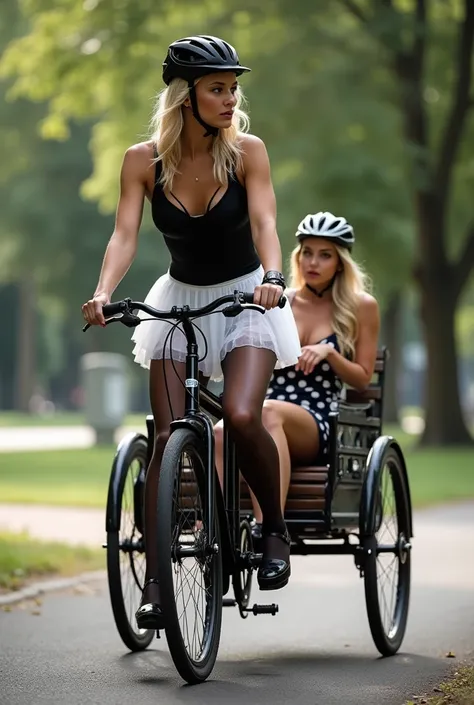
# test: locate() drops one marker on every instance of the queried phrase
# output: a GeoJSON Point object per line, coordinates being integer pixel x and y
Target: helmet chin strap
{"type": "Point", "coordinates": [321, 292]}
{"type": "Point", "coordinates": [214, 131]}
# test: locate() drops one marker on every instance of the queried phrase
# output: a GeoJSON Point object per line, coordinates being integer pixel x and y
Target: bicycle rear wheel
{"type": "Point", "coordinates": [125, 545]}
{"type": "Point", "coordinates": [387, 569]}
{"type": "Point", "coordinates": [189, 559]}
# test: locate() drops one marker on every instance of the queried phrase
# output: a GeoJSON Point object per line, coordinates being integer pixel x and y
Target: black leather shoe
{"type": "Point", "coordinates": [150, 615]}
{"type": "Point", "coordinates": [274, 573]}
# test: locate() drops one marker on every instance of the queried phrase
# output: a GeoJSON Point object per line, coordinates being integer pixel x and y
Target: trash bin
{"type": "Point", "coordinates": [106, 391]}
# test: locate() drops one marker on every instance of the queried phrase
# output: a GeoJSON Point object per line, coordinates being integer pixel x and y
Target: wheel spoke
{"type": "Point", "coordinates": [387, 576]}
{"type": "Point", "coordinates": [125, 556]}
{"type": "Point", "coordinates": [192, 569]}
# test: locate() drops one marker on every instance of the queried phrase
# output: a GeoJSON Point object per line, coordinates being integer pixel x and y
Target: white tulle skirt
{"type": "Point", "coordinates": [274, 330]}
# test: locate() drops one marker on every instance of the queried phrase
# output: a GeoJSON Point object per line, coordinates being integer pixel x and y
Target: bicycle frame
{"type": "Point", "coordinates": [196, 396]}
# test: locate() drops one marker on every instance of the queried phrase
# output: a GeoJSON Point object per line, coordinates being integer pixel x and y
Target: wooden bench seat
{"type": "Point", "coordinates": [307, 490]}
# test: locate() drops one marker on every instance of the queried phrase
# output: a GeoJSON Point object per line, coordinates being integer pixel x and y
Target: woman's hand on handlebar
{"type": "Point", "coordinates": [267, 295]}
{"type": "Point", "coordinates": [92, 310]}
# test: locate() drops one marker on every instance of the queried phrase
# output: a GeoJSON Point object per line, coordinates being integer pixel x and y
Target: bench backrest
{"type": "Point", "coordinates": [374, 391]}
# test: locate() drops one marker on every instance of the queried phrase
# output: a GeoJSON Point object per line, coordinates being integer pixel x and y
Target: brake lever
{"type": "Point", "coordinates": [234, 309]}
{"type": "Point", "coordinates": [127, 319]}
{"type": "Point", "coordinates": [130, 320]}
{"type": "Point", "coordinates": [254, 307]}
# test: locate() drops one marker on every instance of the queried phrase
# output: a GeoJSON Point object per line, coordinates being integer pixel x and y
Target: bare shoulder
{"type": "Point", "coordinates": [251, 145]}
{"type": "Point", "coordinates": [137, 159]}
{"type": "Point", "coordinates": [254, 155]}
{"type": "Point", "coordinates": [368, 308]}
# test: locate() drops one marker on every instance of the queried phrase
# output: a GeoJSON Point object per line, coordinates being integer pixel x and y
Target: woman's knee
{"type": "Point", "coordinates": [272, 417]}
{"type": "Point", "coordinates": [242, 421]}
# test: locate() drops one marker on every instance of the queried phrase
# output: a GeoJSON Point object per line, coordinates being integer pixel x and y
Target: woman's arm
{"type": "Point", "coordinates": [358, 373]}
{"type": "Point", "coordinates": [262, 212]}
{"type": "Point", "coordinates": [122, 246]}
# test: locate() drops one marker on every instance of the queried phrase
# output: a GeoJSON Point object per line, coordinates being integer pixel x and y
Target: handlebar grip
{"type": "Point", "coordinates": [112, 309]}
{"type": "Point", "coordinates": [248, 299]}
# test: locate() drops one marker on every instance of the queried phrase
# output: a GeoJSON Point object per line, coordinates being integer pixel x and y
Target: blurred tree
{"type": "Point", "coordinates": [407, 31]}
{"type": "Point", "coordinates": [51, 241]}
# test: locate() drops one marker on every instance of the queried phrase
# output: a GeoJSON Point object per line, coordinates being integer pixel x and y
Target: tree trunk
{"type": "Point", "coordinates": [391, 329]}
{"type": "Point", "coordinates": [444, 422]}
{"type": "Point", "coordinates": [26, 345]}
{"type": "Point", "coordinates": [432, 175]}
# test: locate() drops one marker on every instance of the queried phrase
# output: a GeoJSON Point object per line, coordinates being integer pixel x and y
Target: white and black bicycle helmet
{"type": "Point", "coordinates": [193, 57]}
{"type": "Point", "coordinates": [327, 225]}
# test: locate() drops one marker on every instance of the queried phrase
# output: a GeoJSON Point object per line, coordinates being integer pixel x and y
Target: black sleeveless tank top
{"type": "Point", "coordinates": [211, 248]}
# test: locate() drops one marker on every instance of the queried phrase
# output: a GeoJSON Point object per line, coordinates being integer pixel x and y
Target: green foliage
{"type": "Point", "coordinates": [326, 132]}
{"type": "Point", "coordinates": [322, 94]}
{"type": "Point", "coordinates": [465, 331]}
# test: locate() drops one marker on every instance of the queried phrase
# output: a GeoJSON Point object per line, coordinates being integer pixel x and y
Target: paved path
{"type": "Point", "coordinates": [67, 524]}
{"type": "Point", "coordinates": [316, 651]}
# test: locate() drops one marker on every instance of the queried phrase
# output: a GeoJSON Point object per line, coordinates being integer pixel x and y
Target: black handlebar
{"type": "Point", "coordinates": [239, 301]}
{"type": "Point", "coordinates": [110, 310]}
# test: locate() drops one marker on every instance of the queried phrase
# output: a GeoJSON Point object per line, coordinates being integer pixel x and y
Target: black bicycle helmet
{"type": "Point", "coordinates": [328, 226]}
{"type": "Point", "coordinates": [193, 57]}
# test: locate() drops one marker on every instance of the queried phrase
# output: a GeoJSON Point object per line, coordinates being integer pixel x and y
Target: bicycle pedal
{"type": "Point", "coordinates": [228, 602]}
{"type": "Point", "coordinates": [263, 609]}
{"type": "Point", "coordinates": [253, 560]}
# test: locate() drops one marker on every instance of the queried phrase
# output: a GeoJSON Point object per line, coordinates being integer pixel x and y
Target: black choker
{"type": "Point", "coordinates": [320, 293]}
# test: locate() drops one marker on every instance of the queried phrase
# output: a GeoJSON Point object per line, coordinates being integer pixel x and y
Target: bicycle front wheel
{"type": "Point", "coordinates": [189, 558]}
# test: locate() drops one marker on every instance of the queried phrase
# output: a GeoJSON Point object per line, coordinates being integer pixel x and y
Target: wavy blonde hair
{"type": "Point", "coordinates": [348, 286]}
{"type": "Point", "coordinates": [167, 124]}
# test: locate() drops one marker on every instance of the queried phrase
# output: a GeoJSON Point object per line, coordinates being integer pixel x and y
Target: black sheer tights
{"type": "Point", "coordinates": [247, 372]}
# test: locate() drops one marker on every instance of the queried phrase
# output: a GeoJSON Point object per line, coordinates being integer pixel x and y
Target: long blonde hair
{"type": "Point", "coordinates": [348, 286]}
{"type": "Point", "coordinates": [166, 126]}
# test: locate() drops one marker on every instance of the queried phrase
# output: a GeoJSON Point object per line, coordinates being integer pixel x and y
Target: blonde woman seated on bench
{"type": "Point", "coordinates": [338, 323]}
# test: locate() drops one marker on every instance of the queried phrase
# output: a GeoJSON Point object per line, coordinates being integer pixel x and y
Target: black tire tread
{"type": "Point", "coordinates": [183, 439]}
{"type": "Point", "coordinates": [389, 646]}
{"type": "Point", "coordinates": [132, 640]}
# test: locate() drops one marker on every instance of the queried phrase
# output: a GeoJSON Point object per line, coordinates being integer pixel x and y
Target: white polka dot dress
{"type": "Point", "coordinates": [318, 393]}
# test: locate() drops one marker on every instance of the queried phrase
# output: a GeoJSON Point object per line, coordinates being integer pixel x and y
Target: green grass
{"type": "Point", "coordinates": [17, 418]}
{"type": "Point", "coordinates": [60, 477]}
{"type": "Point", "coordinates": [80, 477]}
{"type": "Point", "coordinates": [23, 558]}
{"type": "Point", "coordinates": [438, 476]}
{"type": "Point", "coordinates": [9, 419]}
{"type": "Point", "coordinates": [457, 691]}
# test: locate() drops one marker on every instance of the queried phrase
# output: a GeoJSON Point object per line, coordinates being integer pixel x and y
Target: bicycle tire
{"type": "Point", "coordinates": [193, 670]}
{"type": "Point", "coordinates": [135, 450]}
